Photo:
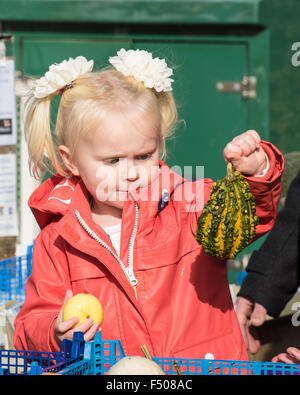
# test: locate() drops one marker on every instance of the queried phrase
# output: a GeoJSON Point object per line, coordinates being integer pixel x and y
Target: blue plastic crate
{"type": "Point", "coordinates": [75, 358]}
{"type": "Point", "coordinates": [18, 362]}
{"type": "Point", "coordinates": [225, 367]}
{"type": "Point", "coordinates": [100, 355]}
{"type": "Point", "coordinates": [13, 275]}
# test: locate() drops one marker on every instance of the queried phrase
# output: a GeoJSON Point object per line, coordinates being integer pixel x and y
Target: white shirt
{"type": "Point", "coordinates": [114, 232]}
{"type": "Point", "coordinates": [266, 169]}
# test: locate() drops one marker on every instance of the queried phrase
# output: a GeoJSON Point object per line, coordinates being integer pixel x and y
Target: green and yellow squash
{"type": "Point", "coordinates": [228, 222]}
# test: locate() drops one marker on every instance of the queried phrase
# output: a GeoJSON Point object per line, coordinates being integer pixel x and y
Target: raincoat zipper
{"type": "Point", "coordinates": [128, 270]}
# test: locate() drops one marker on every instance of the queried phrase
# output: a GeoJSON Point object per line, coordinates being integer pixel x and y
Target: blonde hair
{"type": "Point", "coordinates": [92, 96]}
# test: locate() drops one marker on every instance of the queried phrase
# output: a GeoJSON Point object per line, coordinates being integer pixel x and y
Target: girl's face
{"type": "Point", "coordinates": [121, 155]}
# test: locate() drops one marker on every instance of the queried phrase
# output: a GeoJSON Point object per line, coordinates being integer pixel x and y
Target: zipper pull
{"type": "Point", "coordinates": [129, 274]}
{"type": "Point", "coordinates": [165, 197]}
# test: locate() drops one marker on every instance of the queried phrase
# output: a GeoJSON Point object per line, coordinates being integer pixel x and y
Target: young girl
{"type": "Point", "coordinates": [118, 223]}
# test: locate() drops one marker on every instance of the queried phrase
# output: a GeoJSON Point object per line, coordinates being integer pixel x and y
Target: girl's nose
{"type": "Point", "coordinates": [132, 172]}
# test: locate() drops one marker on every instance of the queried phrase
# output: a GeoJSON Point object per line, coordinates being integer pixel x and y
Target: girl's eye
{"type": "Point", "coordinates": [144, 157]}
{"type": "Point", "coordinates": [112, 161]}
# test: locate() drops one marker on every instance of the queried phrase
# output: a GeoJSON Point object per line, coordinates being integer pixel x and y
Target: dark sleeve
{"type": "Point", "coordinates": [273, 270]}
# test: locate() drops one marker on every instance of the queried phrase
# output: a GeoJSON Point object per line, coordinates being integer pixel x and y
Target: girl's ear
{"type": "Point", "coordinates": [66, 157]}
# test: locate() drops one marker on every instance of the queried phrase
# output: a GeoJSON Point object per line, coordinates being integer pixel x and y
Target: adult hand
{"type": "Point", "coordinates": [292, 355]}
{"type": "Point", "coordinates": [250, 314]}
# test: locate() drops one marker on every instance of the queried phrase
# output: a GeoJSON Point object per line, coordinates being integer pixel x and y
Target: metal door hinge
{"type": "Point", "coordinates": [247, 87]}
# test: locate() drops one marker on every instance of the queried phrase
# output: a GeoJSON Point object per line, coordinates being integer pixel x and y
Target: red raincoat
{"type": "Point", "coordinates": [181, 306]}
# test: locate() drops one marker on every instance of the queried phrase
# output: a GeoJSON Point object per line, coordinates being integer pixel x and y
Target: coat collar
{"type": "Point", "coordinates": [55, 197]}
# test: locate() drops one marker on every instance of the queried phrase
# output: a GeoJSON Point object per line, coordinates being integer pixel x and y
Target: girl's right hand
{"type": "Point", "coordinates": [65, 330]}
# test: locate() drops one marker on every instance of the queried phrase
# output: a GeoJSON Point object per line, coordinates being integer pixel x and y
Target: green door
{"type": "Point", "coordinates": [37, 54]}
{"type": "Point", "coordinates": [212, 118]}
{"type": "Point", "coordinates": [209, 118]}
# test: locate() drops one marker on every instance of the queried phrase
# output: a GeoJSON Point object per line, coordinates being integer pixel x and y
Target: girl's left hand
{"type": "Point", "coordinates": [246, 154]}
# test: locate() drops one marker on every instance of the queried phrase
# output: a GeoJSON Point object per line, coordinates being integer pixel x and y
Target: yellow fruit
{"type": "Point", "coordinates": [83, 306]}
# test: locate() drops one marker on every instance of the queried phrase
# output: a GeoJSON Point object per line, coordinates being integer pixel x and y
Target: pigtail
{"type": "Point", "coordinates": [169, 117]}
{"type": "Point", "coordinates": [42, 148]}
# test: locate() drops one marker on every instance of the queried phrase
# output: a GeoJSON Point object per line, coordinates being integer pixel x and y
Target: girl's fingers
{"type": "Point", "coordinates": [255, 136]}
{"type": "Point", "coordinates": [85, 326]}
{"type": "Point", "coordinates": [89, 334]}
{"type": "Point", "coordinates": [245, 153]}
{"type": "Point", "coordinates": [232, 151]}
{"type": "Point", "coordinates": [240, 146]}
{"type": "Point", "coordinates": [246, 142]}
{"type": "Point", "coordinates": [64, 326]}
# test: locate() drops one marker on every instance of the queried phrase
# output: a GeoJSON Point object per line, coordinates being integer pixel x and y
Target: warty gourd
{"type": "Point", "coordinates": [228, 222]}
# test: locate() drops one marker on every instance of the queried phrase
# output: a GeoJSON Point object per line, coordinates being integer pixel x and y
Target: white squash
{"type": "Point", "coordinates": [135, 365]}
